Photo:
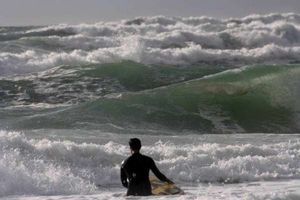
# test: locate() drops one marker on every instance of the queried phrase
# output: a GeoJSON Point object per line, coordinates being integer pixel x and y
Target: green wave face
{"type": "Point", "coordinates": [77, 84]}
{"type": "Point", "coordinates": [135, 76]}
{"type": "Point", "coordinates": [260, 98]}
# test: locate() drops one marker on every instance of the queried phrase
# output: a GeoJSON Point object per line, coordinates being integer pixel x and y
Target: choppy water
{"type": "Point", "coordinates": [69, 162]}
{"type": "Point", "coordinates": [72, 95]}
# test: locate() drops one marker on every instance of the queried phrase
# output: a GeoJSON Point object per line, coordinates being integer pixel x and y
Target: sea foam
{"type": "Point", "coordinates": [154, 40]}
{"type": "Point", "coordinates": [55, 167]}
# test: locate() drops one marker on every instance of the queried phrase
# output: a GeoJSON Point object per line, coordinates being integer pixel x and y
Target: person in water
{"type": "Point", "coordinates": [135, 171]}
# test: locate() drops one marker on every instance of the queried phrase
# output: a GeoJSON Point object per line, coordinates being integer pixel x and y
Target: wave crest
{"type": "Point", "coordinates": [154, 40]}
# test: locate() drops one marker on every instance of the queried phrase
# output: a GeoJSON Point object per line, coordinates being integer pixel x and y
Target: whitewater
{"type": "Point", "coordinates": [214, 101]}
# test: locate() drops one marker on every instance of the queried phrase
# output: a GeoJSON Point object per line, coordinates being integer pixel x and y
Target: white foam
{"type": "Point", "coordinates": [43, 166]}
{"type": "Point", "coordinates": [30, 61]}
{"type": "Point", "coordinates": [159, 40]}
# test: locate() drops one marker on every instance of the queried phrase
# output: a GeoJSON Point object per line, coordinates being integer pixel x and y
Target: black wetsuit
{"type": "Point", "coordinates": [135, 169]}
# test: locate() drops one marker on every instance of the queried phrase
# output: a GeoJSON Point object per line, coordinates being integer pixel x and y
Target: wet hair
{"type": "Point", "coordinates": [135, 144]}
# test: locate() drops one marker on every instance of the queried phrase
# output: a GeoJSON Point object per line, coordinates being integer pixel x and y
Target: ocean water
{"type": "Point", "coordinates": [215, 103]}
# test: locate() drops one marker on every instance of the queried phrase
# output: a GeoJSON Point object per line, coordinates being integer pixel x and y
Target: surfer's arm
{"type": "Point", "coordinates": [124, 176]}
{"type": "Point", "coordinates": [157, 173]}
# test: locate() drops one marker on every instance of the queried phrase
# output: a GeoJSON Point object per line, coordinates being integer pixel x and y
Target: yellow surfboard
{"type": "Point", "coordinates": [162, 188]}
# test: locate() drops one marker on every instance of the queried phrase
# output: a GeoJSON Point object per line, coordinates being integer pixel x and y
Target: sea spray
{"type": "Point", "coordinates": [45, 166]}
{"type": "Point", "coordinates": [154, 40]}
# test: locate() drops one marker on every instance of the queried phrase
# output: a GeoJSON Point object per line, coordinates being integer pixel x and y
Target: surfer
{"type": "Point", "coordinates": [135, 171]}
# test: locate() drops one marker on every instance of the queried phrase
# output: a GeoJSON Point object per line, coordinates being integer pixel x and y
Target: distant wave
{"type": "Point", "coordinates": [153, 40]}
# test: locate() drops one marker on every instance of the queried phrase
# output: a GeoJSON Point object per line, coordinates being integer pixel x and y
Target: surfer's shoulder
{"type": "Point", "coordinates": [125, 161]}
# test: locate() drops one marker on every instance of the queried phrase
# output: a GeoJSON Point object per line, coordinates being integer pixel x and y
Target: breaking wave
{"type": "Point", "coordinates": [163, 78]}
{"type": "Point", "coordinates": [261, 98]}
{"type": "Point", "coordinates": [153, 40]}
{"type": "Point", "coordinates": [169, 73]}
{"type": "Point", "coordinates": [54, 167]}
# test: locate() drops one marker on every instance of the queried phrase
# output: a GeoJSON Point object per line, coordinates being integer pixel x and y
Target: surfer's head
{"type": "Point", "coordinates": [135, 144]}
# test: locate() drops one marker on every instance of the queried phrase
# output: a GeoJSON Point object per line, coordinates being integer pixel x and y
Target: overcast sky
{"type": "Point", "coordinates": [40, 12]}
